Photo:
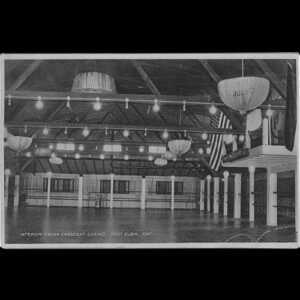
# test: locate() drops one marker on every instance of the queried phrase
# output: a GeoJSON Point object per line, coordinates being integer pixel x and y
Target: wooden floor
{"type": "Point", "coordinates": [89, 225]}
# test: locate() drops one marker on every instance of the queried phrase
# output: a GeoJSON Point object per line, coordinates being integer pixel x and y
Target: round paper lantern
{"type": "Point", "coordinates": [18, 143]}
{"type": "Point", "coordinates": [244, 93]}
{"type": "Point", "coordinates": [94, 82]}
{"type": "Point", "coordinates": [160, 161]}
{"type": "Point", "coordinates": [179, 147]}
{"type": "Point", "coordinates": [55, 160]}
{"type": "Point", "coordinates": [254, 120]}
{"type": "Point", "coordinates": [168, 155]}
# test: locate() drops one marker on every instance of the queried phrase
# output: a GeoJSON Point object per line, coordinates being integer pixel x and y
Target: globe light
{"type": "Point", "coordinates": [208, 177]}
{"type": "Point", "coordinates": [125, 133]}
{"type": "Point", "coordinates": [126, 157]}
{"type": "Point", "coordinates": [150, 157]}
{"type": "Point", "coordinates": [80, 147]}
{"type": "Point", "coordinates": [141, 148]}
{"type": "Point", "coordinates": [101, 156]}
{"type": "Point", "coordinates": [49, 174]}
{"type": "Point", "coordinates": [269, 111]}
{"type": "Point", "coordinates": [45, 131]}
{"type": "Point", "coordinates": [39, 104]}
{"type": "Point", "coordinates": [85, 132]}
{"type": "Point", "coordinates": [212, 109]}
{"type": "Point", "coordinates": [208, 150]}
{"type": "Point", "coordinates": [28, 154]}
{"type": "Point", "coordinates": [77, 155]}
{"type": "Point", "coordinates": [201, 151]}
{"type": "Point", "coordinates": [51, 147]}
{"type": "Point", "coordinates": [165, 134]}
{"type": "Point", "coordinates": [241, 138]}
{"type": "Point", "coordinates": [7, 172]}
{"type": "Point", "coordinates": [156, 107]}
{"type": "Point", "coordinates": [97, 105]}
{"type": "Point", "coordinates": [226, 173]}
{"type": "Point", "coordinates": [172, 177]}
{"type": "Point", "coordinates": [204, 136]}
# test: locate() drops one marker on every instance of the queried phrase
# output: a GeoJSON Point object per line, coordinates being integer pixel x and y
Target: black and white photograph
{"type": "Point", "coordinates": [149, 150]}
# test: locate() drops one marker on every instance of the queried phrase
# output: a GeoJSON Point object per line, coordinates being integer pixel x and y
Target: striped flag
{"type": "Point", "coordinates": [218, 120]}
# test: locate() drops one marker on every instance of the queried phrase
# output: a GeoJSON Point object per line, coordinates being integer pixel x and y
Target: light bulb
{"type": "Point", "coordinates": [208, 150]}
{"type": "Point", "coordinates": [184, 103]}
{"type": "Point", "coordinates": [204, 136]}
{"type": "Point", "coordinates": [45, 131]}
{"type": "Point", "coordinates": [150, 157]}
{"type": "Point", "coordinates": [77, 155]}
{"type": "Point", "coordinates": [51, 147]}
{"type": "Point", "coordinates": [7, 172]}
{"type": "Point", "coordinates": [106, 131]}
{"type": "Point", "coordinates": [39, 104]}
{"type": "Point", "coordinates": [66, 131]}
{"type": "Point", "coordinates": [145, 133]}
{"type": "Point", "coordinates": [269, 111]}
{"type": "Point", "coordinates": [97, 104]}
{"type": "Point", "coordinates": [185, 133]}
{"type": "Point", "coordinates": [85, 132]}
{"type": "Point", "coordinates": [208, 177]}
{"type": "Point", "coordinates": [142, 149]}
{"type": "Point", "coordinates": [126, 157]}
{"type": "Point", "coordinates": [165, 134]}
{"type": "Point", "coordinates": [28, 154]}
{"type": "Point", "coordinates": [125, 133]}
{"type": "Point", "coordinates": [9, 100]}
{"type": "Point", "coordinates": [174, 158]}
{"type": "Point", "coordinates": [201, 151]}
{"type": "Point", "coordinates": [126, 103]}
{"type": "Point", "coordinates": [49, 174]}
{"type": "Point", "coordinates": [156, 107]}
{"type": "Point", "coordinates": [80, 147]}
{"type": "Point", "coordinates": [101, 156]}
{"type": "Point", "coordinates": [68, 101]}
{"type": "Point", "coordinates": [226, 173]}
{"type": "Point", "coordinates": [241, 138]}
{"type": "Point", "coordinates": [25, 129]}
{"type": "Point", "coordinates": [212, 109]}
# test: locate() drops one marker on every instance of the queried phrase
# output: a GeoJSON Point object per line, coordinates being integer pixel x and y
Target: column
{"type": "Point", "coordinates": [251, 193]}
{"type": "Point", "coordinates": [237, 195]}
{"type": "Point", "coordinates": [80, 190]}
{"type": "Point", "coordinates": [216, 194]}
{"type": "Point", "coordinates": [265, 131]}
{"type": "Point", "coordinates": [225, 202]}
{"type": "Point", "coordinates": [202, 187]}
{"type": "Point", "coordinates": [172, 192]}
{"type": "Point", "coordinates": [6, 187]}
{"type": "Point", "coordinates": [143, 193]}
{"type": "Point", "coordinates": [271, 198]}
{"type": "Point", "coordinates": [17, 190]}
{"type": "Point", "coordinates": [111, 202]}
{"type": "Point", "coordinates": [234, 144]}
{"type": "Point", "coordinates": [48, 189]}
{"type": "Point", "coordinates": [208, 178]}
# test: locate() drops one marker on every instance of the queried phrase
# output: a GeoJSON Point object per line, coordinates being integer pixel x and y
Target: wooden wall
{"type": "Point", "coordinates": [32, 187]}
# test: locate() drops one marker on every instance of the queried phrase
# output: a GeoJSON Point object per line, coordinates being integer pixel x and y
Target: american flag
{"type": "Point", "coordinates": [218, 120]}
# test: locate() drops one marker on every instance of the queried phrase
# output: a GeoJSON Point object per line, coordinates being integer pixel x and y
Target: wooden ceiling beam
{"type": "Point", "coordinates": [276, 82]}
{"type": "Point", "coordinates": [21, 124]}
{"type": "Point", "coordinates": [151, 86]}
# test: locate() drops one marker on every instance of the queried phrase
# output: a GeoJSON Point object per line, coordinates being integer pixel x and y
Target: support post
{"type": "Point", "coordinates": [111, 202]}
{"type": "Point", "coordinates": [202, 187]}
{"type": "Point", "coordinates": [265, 131]}
{"type": "Point", "coordinates": [234, 144]}
{"type": "Point", "coordinates": [143, 193]}
{"type": "Point", "coordinates": [216, 194]}
{"type": "Point", "coordinates": [48, 190]}
{"type": "Point", "coordinates": [237, 195]}
{"type": "Point", "coordinates": [208, 178]}
{"type": "Point", "coordinates": [17, 190]}
{"type": "Point", "coordinates": [225, 201]}
{"type": "Point", "coordinates": [251, 193]}
{"type": "Point", "coordinates": [172, 192]}
{"type": "Point", "coordinates": [6, 187]}
{"type": "Point", "coordinates": [271, 198]}
{"type": "Point", "coordinates": [80, 190]}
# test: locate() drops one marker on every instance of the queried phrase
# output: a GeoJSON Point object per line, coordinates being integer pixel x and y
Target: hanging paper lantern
{"type": "Point", "coordinates": [179, 147]}
{"type": "Point", "coordinates": [55, 160]}
{"type": "Point", "coordinates": [168, 155]}
{"type": "Point", "coordinates": [244, 93]}
{"type": "Point", "coordinates": [94, 82]}
{"type": "Point", "coordinates": [160, 161]}
{"type": "Point", "coordinates": [254, 120]}
{"type": "Point", "coordinates": [18, 143]}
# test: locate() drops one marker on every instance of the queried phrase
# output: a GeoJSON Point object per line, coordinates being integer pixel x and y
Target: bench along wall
{"type": "Point", "coordinates": [32, 189]}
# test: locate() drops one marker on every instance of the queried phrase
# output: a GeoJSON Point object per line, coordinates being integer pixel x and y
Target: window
{"type": "Point", "coordinates": [120, 186]}
{"type": "Point", "coordinates": [65, 147]}
{"type": "Point", "coordinates": [59, 185]}
{"type": "Point", "coordinates": [165, 187]}
{"type": "Point", "coordinates": [112, 148]}
{"type": "Point", "coordinates": [105, 186]}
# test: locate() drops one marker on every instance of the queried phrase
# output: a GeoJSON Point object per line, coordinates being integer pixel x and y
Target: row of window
{"type": "Point", "coordinates": [120, 186]}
